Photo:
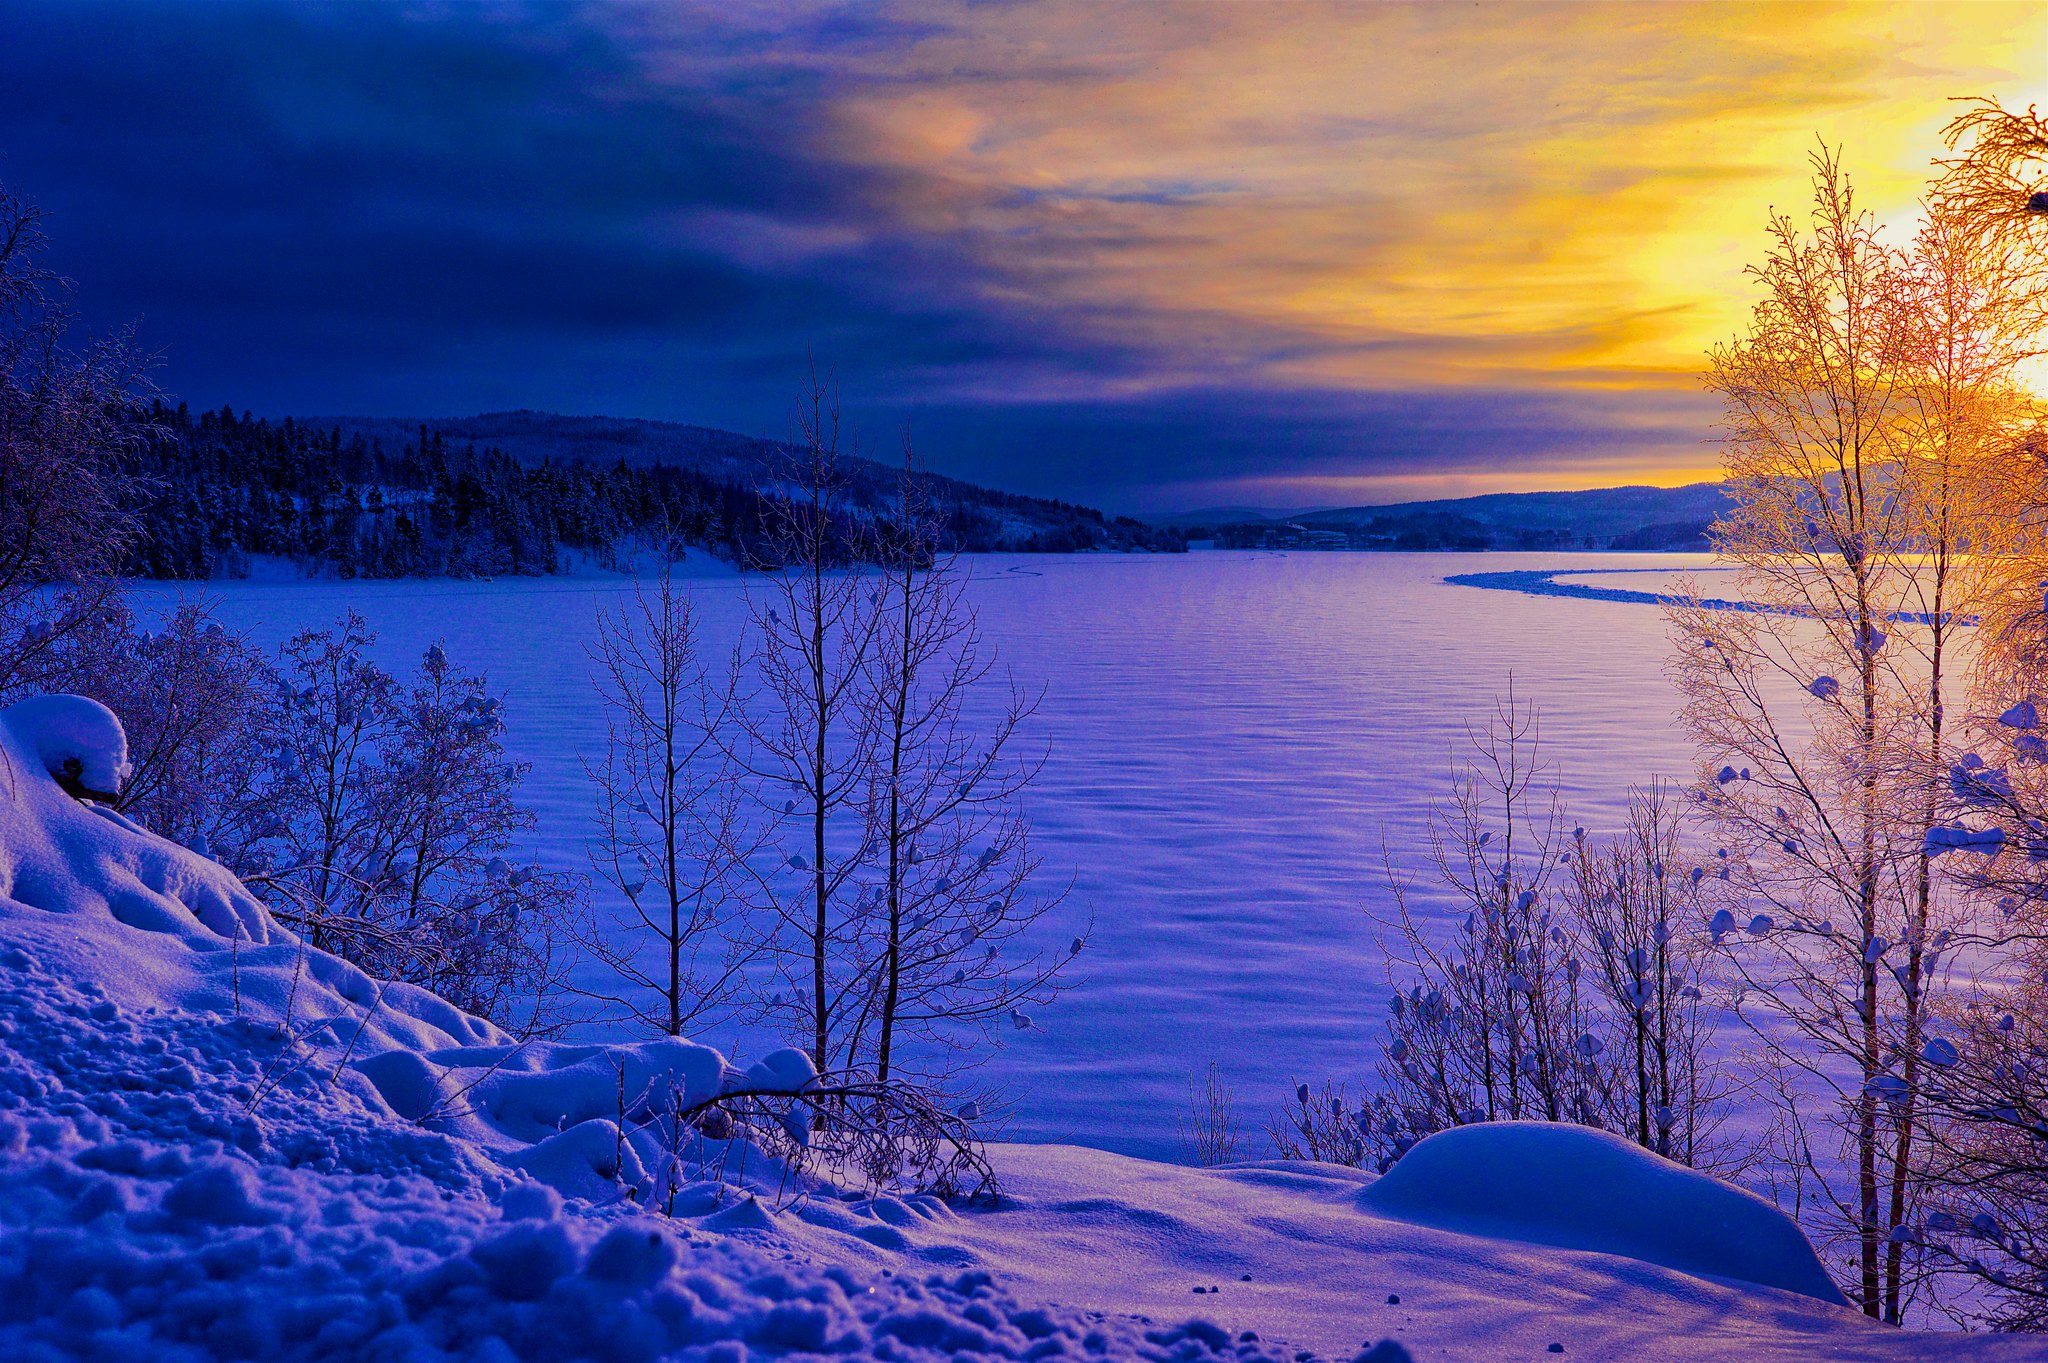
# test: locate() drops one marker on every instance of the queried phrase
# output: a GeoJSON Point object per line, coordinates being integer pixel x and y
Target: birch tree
{"type": "Point", "coordinates": [1820, 710]}
{"type": "Point", "coordinates": [672, 826]}
{"type": "Point", "coordinates": [953, 863]}
{"type": "Point", "coordinates": [804, 746]}
{"type": "Point", "coordinates": [68, 418]}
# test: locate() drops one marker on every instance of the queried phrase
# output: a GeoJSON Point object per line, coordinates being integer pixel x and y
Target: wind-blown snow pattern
{"type": "Point", "coordinates": [219, 1143]}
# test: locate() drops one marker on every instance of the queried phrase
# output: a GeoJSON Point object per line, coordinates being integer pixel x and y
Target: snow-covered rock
{"type": "Point", "coordinates": [788, 1070]}
{"type": "Point", "coordinates": [1577, 1188]}
{"type": "Point", "coordinates": [65, 857]}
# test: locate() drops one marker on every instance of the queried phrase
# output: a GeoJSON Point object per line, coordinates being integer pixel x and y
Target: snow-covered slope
{"type": "Point", "coordinates": [210, 1148]}
{"type": "Point", "coordinates": [216, 1142]}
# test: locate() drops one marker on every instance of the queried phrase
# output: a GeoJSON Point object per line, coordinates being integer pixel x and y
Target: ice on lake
{"type": "Point", "coordinates": [1233, 739]}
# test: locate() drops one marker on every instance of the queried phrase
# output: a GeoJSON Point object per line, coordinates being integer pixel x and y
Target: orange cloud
{"type": "Point", "coordinates": [1393, 196]}
{"type": "Point", "coordinates": [1372, 197]}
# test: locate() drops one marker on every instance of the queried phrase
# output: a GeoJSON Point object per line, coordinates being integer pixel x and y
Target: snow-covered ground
{"type": "Point", "coordinates": [219, 1143]}
{"type": "Point", "coordinates": [1230, 737]}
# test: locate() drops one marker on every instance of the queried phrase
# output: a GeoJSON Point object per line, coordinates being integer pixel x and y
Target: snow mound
{"type": "Point", "coordinates": [75, 738]}
{"type": "Point", "coordinates": [1576, 1188]}
{"type": "Point", "coordinates": [63, 856]}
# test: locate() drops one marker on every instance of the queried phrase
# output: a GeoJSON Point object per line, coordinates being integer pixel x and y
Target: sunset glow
{"type": "Point", "coordinates": [1145, 254]}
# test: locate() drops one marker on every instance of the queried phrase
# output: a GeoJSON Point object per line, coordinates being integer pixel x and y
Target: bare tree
{"type": "Point", "coordinates": [314, 827]}
{"type": "Point", "coordinates": [1820, 710]}
{"type": "Point", "coordinates": [672, 831]}
{"type": "Point", "coordinates": [492, 932]}
{"type": "Point", "coordinates": [951, 841]}
{"type": "Point", "coordinates": [812, 622]}
{"type": "Point", "coordinates": [1997, 187]}
{"type": "Point", "coordinates": [380, 819]}
{"type": "Point", "coordinates": [1636, 909]}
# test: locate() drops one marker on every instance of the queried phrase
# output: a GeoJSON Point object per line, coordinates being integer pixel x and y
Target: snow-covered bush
{"type": "Point", "coordinates": [1210, 1133]}
{"type": "Point", "coordinates": [186, 693]}
{"type": "Point", "coordinates": [848, 1130]}
{"type": "Point", "coordinates": [380, 817]}
{"type": "Point", "coordinates": [1639, 915]}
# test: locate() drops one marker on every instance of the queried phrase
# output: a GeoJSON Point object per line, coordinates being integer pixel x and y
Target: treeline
{"type": "Point", "coordinates": [217, 494]}
{"type": "Point", "coordinates": [1433, 531]}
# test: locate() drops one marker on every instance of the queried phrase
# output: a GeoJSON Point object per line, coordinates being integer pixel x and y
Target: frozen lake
{"type": "Point", "coordinates": [1232, 738]}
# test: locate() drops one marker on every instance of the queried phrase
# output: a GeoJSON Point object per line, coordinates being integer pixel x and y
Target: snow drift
{"type": "Point", "coordinates": [1577, 1188]}
{"type": "Point", "coordinates": [549, 1111]}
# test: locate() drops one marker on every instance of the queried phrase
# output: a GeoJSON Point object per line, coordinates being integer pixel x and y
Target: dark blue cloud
{"type": "Point", "coordinates": [1301, 448]}
{"type": "Point", "coordinates": [334, 208]}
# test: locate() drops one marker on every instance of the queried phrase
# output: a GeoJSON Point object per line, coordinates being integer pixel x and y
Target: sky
{"type": "Point", "coordinates": [1153, 257]}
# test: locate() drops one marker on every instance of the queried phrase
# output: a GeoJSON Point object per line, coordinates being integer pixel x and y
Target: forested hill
{"type": "Point", "coordinates": [513, 493]}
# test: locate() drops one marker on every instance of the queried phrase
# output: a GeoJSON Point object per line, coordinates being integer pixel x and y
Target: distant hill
{"type": "Point", "coordinates": [1211, 516]}
{"type": "Point", "coordinates": [1649, 518]}
{"type": "Point", "coordinates": [520, 493]}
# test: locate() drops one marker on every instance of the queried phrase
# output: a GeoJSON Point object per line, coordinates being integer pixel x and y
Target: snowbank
{"type": "Point", "coordinates": [218, 1143]}
{"type": "Point", "coordinates": [77, 880]}
{"type": "Point", "coordinates": [1592, 1190]}
{"type": "Point", "coordinates": [173, 1187]}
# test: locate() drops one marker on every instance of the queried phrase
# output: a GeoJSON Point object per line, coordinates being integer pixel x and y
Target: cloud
{"type": "Point", "coordinates": [1141, 253]}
